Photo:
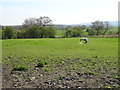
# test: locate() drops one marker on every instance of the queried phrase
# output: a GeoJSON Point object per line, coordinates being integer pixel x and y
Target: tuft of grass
{"type": "Point", "coordinates": [20, 68]}
{"type": "Point", "coordinates": [46, 69]}
{"type": "Point", "coordinates": [107, 87]}
{"type": "Point", "coordinates": [41, 63]}
{"type": "Point", "coordinates": [117, 76]}
{"type": "Point", "coordinates": [90, 73]}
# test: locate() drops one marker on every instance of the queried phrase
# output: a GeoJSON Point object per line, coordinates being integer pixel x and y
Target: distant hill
{"type": "Point", "coordinates": [112, 23]}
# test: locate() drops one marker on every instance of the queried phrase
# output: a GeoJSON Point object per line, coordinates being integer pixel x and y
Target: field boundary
{"type": "Point", "coordinates": [116, 36]}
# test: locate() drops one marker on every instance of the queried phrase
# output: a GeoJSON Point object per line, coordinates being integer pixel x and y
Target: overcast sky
{"type": "Point", "coordinates": [14, 12]}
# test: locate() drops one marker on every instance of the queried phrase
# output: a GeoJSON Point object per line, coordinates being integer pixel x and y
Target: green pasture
{"type": "Point", "coordinates": [97, 54]}
{"type": "Point", "coordinates": [60, 33]}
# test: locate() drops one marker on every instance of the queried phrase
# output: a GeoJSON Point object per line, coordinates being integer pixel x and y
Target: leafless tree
{"type": "Point", "coordinates": [106, 26]}
{"type": "Point", "coordinates": [97, 25]}
{"type": "Point", "coordinates": [42, 21]}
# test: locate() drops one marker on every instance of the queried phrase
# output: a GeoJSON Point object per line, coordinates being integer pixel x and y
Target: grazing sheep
{"type": "Point", "coordinates": [85, 40]}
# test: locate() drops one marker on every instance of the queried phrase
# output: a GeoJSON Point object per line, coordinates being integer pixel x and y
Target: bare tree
{"type": "Point", "coordinates": [45, 21]}
{"type": "Point", "coordinates": [30, 21]}
{"type": "Point", "coordinates": [97, 25]}
{"type": "Point", "coordinates": [42, 21]}
{"type": "Point", "coordinates": [106, 26]}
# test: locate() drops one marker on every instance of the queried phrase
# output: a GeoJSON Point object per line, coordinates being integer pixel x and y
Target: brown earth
{"type": "Point", "coordinates": [58, 77]}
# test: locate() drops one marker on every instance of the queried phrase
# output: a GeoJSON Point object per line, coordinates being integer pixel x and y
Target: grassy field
{"type": "Point", "coordinates": [60, 63]}
{"type": "Point", "coordinates": [60, 33]}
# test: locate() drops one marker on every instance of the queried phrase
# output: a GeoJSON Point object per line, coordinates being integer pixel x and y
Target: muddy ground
{"type": "Point", "coordinates": [58, 77]}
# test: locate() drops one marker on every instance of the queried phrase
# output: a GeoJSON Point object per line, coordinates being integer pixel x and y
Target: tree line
{"type": "Point", "coordinates": [43, 28]}
{"type": "Point", "coordinates": [29, 32]}
{"type": "Point", "coordinates": [97, 28]}
{"type": "Point", "coordinates": [31, 28]}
